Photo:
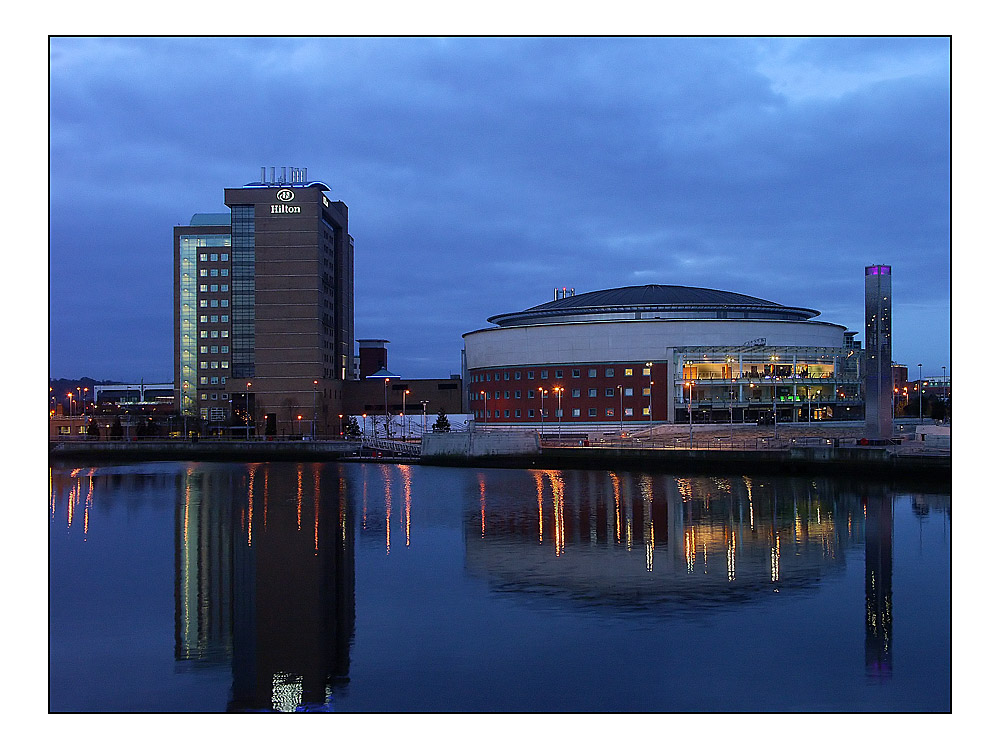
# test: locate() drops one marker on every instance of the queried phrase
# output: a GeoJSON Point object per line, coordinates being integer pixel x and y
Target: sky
{"type": "Point", "coordinates": [481, 173]}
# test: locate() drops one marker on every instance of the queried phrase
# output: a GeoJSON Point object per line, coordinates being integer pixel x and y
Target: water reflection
{"type": "Point", "coordinates": [264, 554]}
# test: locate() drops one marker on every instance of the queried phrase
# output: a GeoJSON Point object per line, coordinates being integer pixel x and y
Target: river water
{"type": "Point", "coordinates": [214, 587]}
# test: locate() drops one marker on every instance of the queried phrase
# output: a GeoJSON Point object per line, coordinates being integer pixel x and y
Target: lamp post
{"type": "Point", "coordinates": [386, 408]}
{"type": "Point", "coordinates": [340, 423]}
{"type": "Point", "coordinates": [249, 414]}
{"type": "Point", "coordinates": [406, 425]}
{"type": "Point", "coordinates": [364, 424]}
{"type": "Point", "coordinates": [69, 403]}
{"type": "Point", "coordinates": [774, 404]}
{"type": "Point", "coordinates": [920, 389]}
{"type": "Point", "coordinates": [316, 383]}
{"type": "Point", "coordinates": [559, 391]}
{"type": "Point", "coordinates": [298, 420]}
{"type": "Point", "coordinates": [621, 411]}
{"type": "Point", "coordinates": [423, 405]}
{"type": "Point", "coordinates": [649, 369]}
{"type": "Point", "coordinates": [485, 413]}
{"type": "Point", "coordinates": [541, 411]}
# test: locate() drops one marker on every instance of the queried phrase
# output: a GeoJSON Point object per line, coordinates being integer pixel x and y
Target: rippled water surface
{"type": "Point", "coordinates": [373, 587]}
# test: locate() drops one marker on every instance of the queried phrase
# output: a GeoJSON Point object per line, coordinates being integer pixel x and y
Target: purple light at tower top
{"type": "Point", "coordinates": [878, 270]}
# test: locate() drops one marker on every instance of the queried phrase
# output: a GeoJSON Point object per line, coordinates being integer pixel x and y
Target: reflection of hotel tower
{"type": "Point", "coordinates": [276, 571]}
{"type": "Point", "coordinates": [625, 539]}
{"type": "Point", "coordinates": [878, 586]}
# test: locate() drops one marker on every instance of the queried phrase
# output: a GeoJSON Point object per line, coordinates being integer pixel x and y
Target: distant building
{"type": "Point", "coordinates": [264, 308]}
{"type": "Point", "coordinates": [656, 353]}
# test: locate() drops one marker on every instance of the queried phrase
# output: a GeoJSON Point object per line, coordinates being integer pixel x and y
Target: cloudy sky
{"type": "Point", "coordinates": [481, 173]}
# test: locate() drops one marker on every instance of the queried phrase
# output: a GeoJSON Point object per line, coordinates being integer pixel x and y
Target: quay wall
{"type": "Point", "coordinates": [203, 450]}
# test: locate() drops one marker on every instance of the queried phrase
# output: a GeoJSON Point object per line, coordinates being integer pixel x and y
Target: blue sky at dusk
{"type": "Point", "coordinates": [481, 173]}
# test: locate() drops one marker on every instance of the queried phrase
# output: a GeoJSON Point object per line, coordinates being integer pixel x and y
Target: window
{"type": "Point", "coordinates": [506, 394]}
{"type": "Point", "coordinates": [214, 288]}
{"type": "Point", "coordinates": [517, 413]}
{"type": "Point", "coordinates": [531, 394]}
{"type": "Point", "coordinates": [225, 271]}
{"type": "Point", "coordinates": [506, 376]}
{"type": "Point", "coordinates": [225, 334]}
{"type": "Point", "coordinates": [645, 371]}
{"type": "Point", "coordinates": [517, 394]}
{"type": "Point", "coordinates": [576, 412]}
{"type": "Point", "coordinates": [559, 374]}
{"type": "Point", "coordinates": [531, 374]}
{"type": "Point", "coordinates": [203, 365]}
{"type": "Point", "coordinates": [214, 319]}
{"type": "Point", "coordinates": [628, 391]}
{"type": "Point", "coordinates": [203, 257]}
{"type": "Point", "coordinates": [544, 374]}
{"type": "Point", "coordinates": [215, 334]}
{"type": "Point", "coordinates": [215, 364]}
{"type": "Point", "coordinates": [225, 318]}
{"type": "Point", "coordinates": [628, 372]}
{"type": "Point", "coordinates": [225, 363]}
{"type": "Point", "coordinates": [487, 377]}
{"type": "Point", "coordinates": [506, 413]}
{"type": "Point", "coordinates": [592, 393]}
{"type": "Point", "coordinates": [609, 372]}
{"type": "Point", "coordinates": [224, 288]}
{"type": "Point", "coordinates": [645, 391]}
{"type": "Point", "coordinates": [225, 303]}
{"type": "Point", "coordinates": [214, 272]}
{"type": "Point", "coordinates": [203, 380]}
{"type": "Point", "coordinates": [213, 256]}
{"type": "Point", "coordinates": [576, 373]}
{"type": "Point", "coordinates": [224, 256]}
{"type": "Point", "coordinates": [204, 397]}
{"type": "Point", "coordinates": [531, 412]}
{"type": "Point", "coordinates": [203, 303]}
{"type": "Point", "coordinates": [609, 412]}
{"type": "Point", "coordinates": [496, 413]}
{"type": "Point", "coordinates": [628, 411]}
{"type": "Point", "coordinates": [203, 334]}
{"type": "Point", "coordinates": [496, 395]}
{"type": "Point", "coordinates": [215, 303]}
{"type": "Point", "coordinates": [591, 412]}
{"type": "Point", "coordinates": [203, 350]}
{"type": "Point", "coordinates": [203, 287]}
{"type": "Point", "coordinates": [517, 376]}
{"type": "Point", "coordinates": [225, 350]}
{"type": "Point", "coordinates": [592, 372]}
{"type": "Point", "coordinates": [559, 413]}
{"type": "Point", "coordinates": [576, 393]}
{"type": "Point", "coordinates": [215, 381]}
{"type": "Point", "coordinates": [609, 391]}
{"type": "Point", "coordinates": [203, 272]}
{"type": "Point", "coordinates": [214, 349]}
{"type": "Point", "coordinates": [645, 411]}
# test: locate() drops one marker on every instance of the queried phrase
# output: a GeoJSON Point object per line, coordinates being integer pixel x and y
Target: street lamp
{"type": "Point", "coordinates": [541, 411]}
{"type": "Point", "coordinates": [316, 383]}
{"type": "Point", "coordinates": [559, 391]}
{"type": "Point", "coordinates": [423, 405]}
{"type": "Point", "coordinates": [485, 412]}
{"type": "Point", "coordinates": [249, 416]}
{"type": "Point", "coordinates": [920, 389]}
{"type": "Point", "coordinates": [386, 408]}
{"type": "Point", "coordinates": [690, 385]}
{"type": "Point", "coordinates": [649, 369]}
{"type": "Point", "coordinates": [621, 411]}
{"type": "Point", "coordinates": [406, 425]}
{"type": "Point", "coordinates": [299, 422]}
{"type": "Point", "coordinates": [69, 403]}
{"type": "Point", "coordinates": [364, 424]}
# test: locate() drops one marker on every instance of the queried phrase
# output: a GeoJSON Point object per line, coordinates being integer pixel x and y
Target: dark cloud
{"type": "Point", "coordinates": [481, 173]}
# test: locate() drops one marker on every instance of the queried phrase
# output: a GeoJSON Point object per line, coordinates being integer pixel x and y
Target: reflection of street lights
{"type": "Point", "coordinates": [559, 391]}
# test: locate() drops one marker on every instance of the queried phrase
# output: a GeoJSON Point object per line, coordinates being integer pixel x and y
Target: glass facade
{"type": "Point", "coordinates": [243, 291]}
{"type": "Point", "coordinates": [189, 246]}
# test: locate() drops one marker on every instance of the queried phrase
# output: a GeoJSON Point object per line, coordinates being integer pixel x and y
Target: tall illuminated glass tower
{"type": "Point", "coordinates": [878, 352]}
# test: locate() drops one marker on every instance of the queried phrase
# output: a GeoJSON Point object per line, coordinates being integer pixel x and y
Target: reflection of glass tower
{"type": "Point", "coordinates": [203, 581]}
{"type": "Point", "coordinates": [878, 351]}
{"type": "Point", "coordinates": [878, 587]}
{"type": "Point", "coordinates": [293, 556]}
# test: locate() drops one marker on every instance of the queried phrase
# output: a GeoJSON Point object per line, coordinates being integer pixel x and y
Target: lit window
{"type": "Point", "coordinates": [203, 319]}
{"type": "Point", "coordinates": [645, 371]}
{"type": "Point", "coordinates": [576, 412]}
{"type": "Point", "coordinates": [203, 380]}
{"type": "Point", "coordinates": [203, 365]}
{"type": "Point", "coordinates": [628, 391]}
{"type": "Point", "coordinates": [645, 391]}
{"type": "Point", "coordinates": [203, 257]}
{"type": "Point", "coordinates": [628, 411]}
{"type": "Point", "coordinates": [203, 350]}
{"type": "Point", "coordinates": [628, 372]}
{"type": "Point", "coordinates": [203, 303]}
{"type": "Point", "coordinates": [203, 334]}
{"type": "Point", "coordinates": [203, 287]}
{"type": "Point", "coordinates": [203, 272]}
{"type": "Point", "coordinates": [215, 365]}
{"type": "Point", "coordinates": [215, 334]}
{"type": "Point", "coordinates": [225, 363]}
{"type": "Point", "coordinates": [225, 334]}
{"type": "Point", "coordinates": [609, 412]}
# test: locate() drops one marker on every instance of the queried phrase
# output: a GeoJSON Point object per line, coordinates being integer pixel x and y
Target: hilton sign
{"type": "Point", "coordinates": [280, 208]}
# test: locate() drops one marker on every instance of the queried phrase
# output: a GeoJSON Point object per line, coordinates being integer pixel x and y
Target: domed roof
{"type": "Point", "coordinates": [662, 299]}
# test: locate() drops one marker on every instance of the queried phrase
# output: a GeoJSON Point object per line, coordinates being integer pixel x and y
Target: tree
{"type": "Point", "coordinates": [351, 428]}
{"type": "Point", "coordinates": [442, 424]}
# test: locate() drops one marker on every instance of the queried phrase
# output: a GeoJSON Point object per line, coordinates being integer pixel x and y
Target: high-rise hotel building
{"type": "Point", "coordinates": [264, 308]}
